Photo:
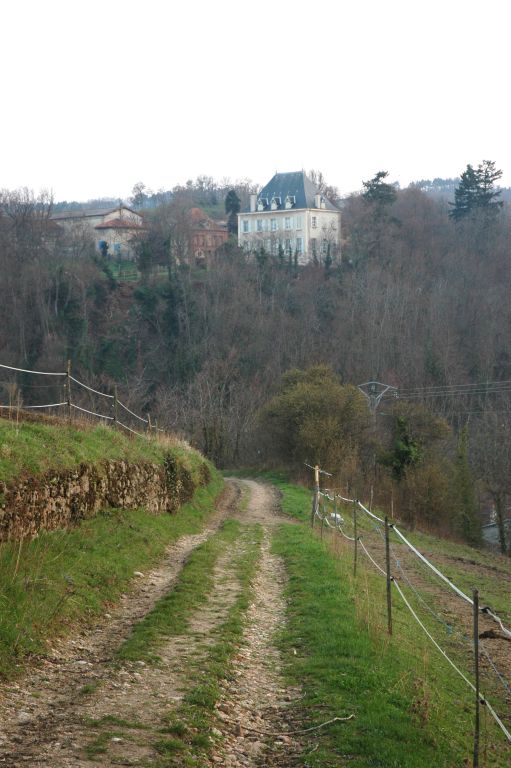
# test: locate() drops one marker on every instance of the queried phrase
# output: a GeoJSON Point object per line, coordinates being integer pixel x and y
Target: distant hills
{"type": "Point", "coordinates": [445, 188]}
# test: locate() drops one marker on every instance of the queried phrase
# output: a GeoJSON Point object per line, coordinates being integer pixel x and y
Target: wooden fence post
{"type": "Point", "coordinates": [315, 500]}
{"type": "Point", "coordinates": [475, 762]}
{"type": "Point", "coordinates": [115, 405]}
{"type": "Point", "coordinates": [355, 540]}
{"type": "Point", "coordinates": [68, 389]}
{"type": "Point", "coordinates": [389, 578]}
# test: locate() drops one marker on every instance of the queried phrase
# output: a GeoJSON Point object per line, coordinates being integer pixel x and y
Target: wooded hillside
{"type": "Point", "coordinates": [418, 300]}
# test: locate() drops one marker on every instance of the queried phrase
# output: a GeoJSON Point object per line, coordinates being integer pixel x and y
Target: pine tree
{"type": "Point", "coordinates": [232, 208]}
{"type": "Point", "coordinates": [378, 191]}
{"type": "Point", "coordinates": [476, 192]}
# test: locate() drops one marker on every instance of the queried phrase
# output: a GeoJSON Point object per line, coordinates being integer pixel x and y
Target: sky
{"type": "Point", "coordinates": [98, 96]}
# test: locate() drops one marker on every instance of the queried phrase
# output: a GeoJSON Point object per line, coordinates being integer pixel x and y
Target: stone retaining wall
{"type": "Point", "coordinates": [59, 499]}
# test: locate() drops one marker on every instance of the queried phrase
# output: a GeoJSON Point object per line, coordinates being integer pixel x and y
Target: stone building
{"type": "Point", "coordinates": [206, 235]}
{"type": "Point", "coordinates": [112, 229]}
{"type": "Point", "coordinates": [291, 218]}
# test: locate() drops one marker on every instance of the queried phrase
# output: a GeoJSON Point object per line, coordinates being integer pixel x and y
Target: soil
{"type": "Point", "coordinates": [57, 713]}
{"type": "Point", "coordinates": [257, 703]}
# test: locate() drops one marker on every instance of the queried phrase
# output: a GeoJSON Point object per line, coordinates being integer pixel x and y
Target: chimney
{"type": "Point", "coordinates": [253, 202]}
{"type": "Point", "coordinates": [317, 201]}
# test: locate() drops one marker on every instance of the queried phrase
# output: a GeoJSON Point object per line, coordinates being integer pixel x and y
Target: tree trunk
{"type": "Point", "coordinates": [499, 509]}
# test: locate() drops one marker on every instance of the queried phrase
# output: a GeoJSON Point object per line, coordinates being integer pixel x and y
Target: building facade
{"type": "Point", "coordinates": [112, 229]}
{"type": "Point", "coordinates": [290, 218]}
{"type": "Point", "coordinates": [206, 235]}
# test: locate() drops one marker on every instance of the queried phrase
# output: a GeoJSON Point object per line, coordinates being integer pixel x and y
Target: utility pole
{"type": "Point", "coordinates": [374, 391]}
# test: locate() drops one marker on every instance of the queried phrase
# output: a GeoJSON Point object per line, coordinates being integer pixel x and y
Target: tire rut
{"type": "Point", "coordinates": [259, 702]}
{"type": "Point", "coordinates": [39, 709]}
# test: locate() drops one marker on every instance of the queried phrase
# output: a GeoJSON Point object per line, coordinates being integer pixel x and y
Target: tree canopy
{"type": "Point", "coordinates": [315, 418]}
{"type": "Point", "coordinates": [379, 191]}
{"type": "Point", "coordinates": [476, 192]}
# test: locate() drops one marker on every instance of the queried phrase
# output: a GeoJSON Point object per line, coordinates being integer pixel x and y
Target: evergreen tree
{"type": "Point", "coordinates": [232, 208]}
{"type": "Point", "coordinates": [378, 191]}
{"type": "Point", "coordinates": [476, 192]}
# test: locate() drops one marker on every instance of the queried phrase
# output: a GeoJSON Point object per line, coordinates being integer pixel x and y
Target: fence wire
{"type": "Point", "coordinates": [376, 523]}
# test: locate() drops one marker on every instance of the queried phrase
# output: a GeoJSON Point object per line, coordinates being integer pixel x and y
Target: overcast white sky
{"type": "Point", "coordinates": [99, 95]}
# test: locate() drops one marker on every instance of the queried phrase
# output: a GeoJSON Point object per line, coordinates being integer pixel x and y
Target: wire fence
{"type": "Point", "coordinates": [426, 584]}
{"type": "Point", "coordinates": [76, 396]}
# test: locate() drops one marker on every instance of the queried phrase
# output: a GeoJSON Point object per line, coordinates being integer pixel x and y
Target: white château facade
{"type": "Point", "coordinates": [290, 218]}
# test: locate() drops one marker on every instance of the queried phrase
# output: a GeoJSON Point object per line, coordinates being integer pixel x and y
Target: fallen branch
{"type": "Point", "coordinates": [288, 733]}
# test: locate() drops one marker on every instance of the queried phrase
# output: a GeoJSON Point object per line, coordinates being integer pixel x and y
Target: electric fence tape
{"type": "Point", "coordinates": [497, 719]}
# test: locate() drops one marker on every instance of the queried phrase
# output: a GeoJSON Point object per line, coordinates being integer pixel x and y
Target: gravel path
{"type": "Point", "coordinates": [39, 714]}
{"type": "Point", "coordinates": [258, 702]}
{"type": "Point", "coordinates": [47, 720]}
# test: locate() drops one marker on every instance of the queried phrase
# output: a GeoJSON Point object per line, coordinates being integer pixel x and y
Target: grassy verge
{"type": "Point", "coordinates": [467, 566]}
{"type": "Point", "coordinates": [34, 448]}
{"type": "Point", "coordinates": [411, 709]}
{"type": "Point", "coordinates": [49, 584]}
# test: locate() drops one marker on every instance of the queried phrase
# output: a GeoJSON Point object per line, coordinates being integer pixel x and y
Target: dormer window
{"type": "Point", "coordinates": [262, 203]}
{"type": "Point", "coordinates": [290, 201]}
{"type": "Point", "coordinates": [276, 202]}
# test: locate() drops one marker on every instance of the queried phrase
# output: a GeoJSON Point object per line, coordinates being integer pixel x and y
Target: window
{"type": "Point", "coordinates": [259, 226]}
{"type": "Point", "coordinates": [274, 246]}
{"type": "Point", "coordinates": [314, 246]}
{"type": "Point", "coordinates": [273, 225]}
{"type": "Point", "coordinates": [298, 222]}
{"type": "Point", "coordinates": [324, 248]}
{"type": "Point", "coordinates": [246, 226]}
{"type": "Point", "coordinates": [314, 222]}
{"type": "Point", "coordinates": [299, 245]}
{"type": "Point", "coordinates": [288, 247]}
{"type": "Point", "coordinates": [287, 222]}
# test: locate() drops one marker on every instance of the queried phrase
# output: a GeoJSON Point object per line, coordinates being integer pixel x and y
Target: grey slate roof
{"type": "Point", "coordinates": [296, 184]}
{"type": "Point", "coordinates": [82, 213]}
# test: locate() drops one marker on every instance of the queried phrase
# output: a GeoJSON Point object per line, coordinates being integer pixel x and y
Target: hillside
{"type": "Point", "coordinates": [249, 642]}
{"type": "Point", "coordinates": [82, 507]}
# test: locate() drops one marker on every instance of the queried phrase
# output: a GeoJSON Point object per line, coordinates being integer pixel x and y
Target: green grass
{"type": "Point", "coordinates": [411, 709]}
{"type": "Point", "coordinates": [33, 448]}
{"type": "Point", "coordinates": [170, 615]}
{"type": "Point", "coordinates": [185, 731]}
{"type": "Point", "coordinates": [61, 578]}
{"type": "Point", "coordinates": [193, 720]}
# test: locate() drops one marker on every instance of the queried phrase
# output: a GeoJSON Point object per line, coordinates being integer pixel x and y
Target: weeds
{"type": "Point", "coordinates": [63, 577]}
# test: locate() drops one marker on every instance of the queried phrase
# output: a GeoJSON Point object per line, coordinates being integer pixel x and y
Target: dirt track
{"type": "Point", "coordinates": [48, 721]}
